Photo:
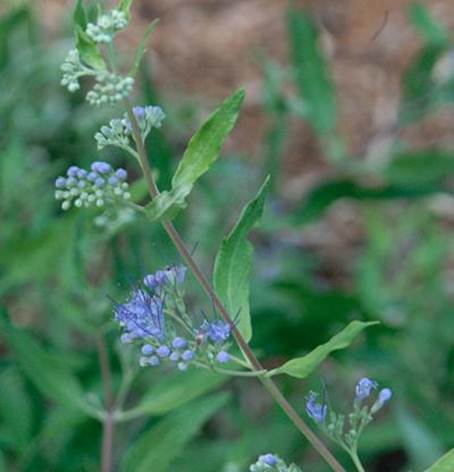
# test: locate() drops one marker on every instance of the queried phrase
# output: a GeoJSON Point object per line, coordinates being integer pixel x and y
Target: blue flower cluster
{"type": "Point", "coordinates": [272, 463]}
{"type": "Point", "coordinates": [118, 133]}
{"type": "Point", "coordinates": [154, 316]}
{"type": "Point", "coordinates": [317, 411]}
{"type": "Point", "coordinates": [343, 429]}
{"type": "Point", "coordinates": [91, 188]}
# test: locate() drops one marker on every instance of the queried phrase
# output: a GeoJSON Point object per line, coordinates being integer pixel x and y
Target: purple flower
{"type": "Point", "coordinates": [179, 343]}
{"type": "Point", "coordinates": [317, 411]}
{"type": "Point", "coordinates": [72, 171]}
{"type": "Point", "coordinates": [163, 351]}
{"type": "Point", "coordinates": [187, 355]}
{"type": "Point", "coordinates": [60, 182]}
{"type": "Point", "coordinates": [384, 395]}
{"type": "Point", "coordinates": [92, 176]}
{"type": "Point", "coordinates": [217, 331]}
{"type": "Point", "coordinates": [142, 315]}
{"type": "Point", "coordinates": [139, 112]}
{"type": "Point", "coordinates": [100, 182]}
{"type": "Point", "coordinates": [172, 276]}
{"type": "Point", "coordinates": [101, 167]}
{"type": "Point", "coordinates": [269, 459]}
{"type": "Point", "coordinates": [223, 357]}
{"type": "Point", "coordinates": [147, 349]}
{"type": "Point", "coordinates": [121, 174]}
{"type": "Point", "coordinates": [364, 387]}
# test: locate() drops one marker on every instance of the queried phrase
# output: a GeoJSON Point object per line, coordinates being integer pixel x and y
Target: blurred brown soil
{"type": "Point", "coordinates": [206, 48]}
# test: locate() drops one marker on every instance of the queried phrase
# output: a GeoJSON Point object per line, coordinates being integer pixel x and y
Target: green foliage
{"type": "Point", "coordinates": [46, 371]}
{"type": "Point", "coordinates": [432, 31]}
{"type": "Point", "coordinates": [142, 48]}
{"type": "Point", "coordinates": [169, 436]}
{"type": "Point", "coordinates": [79, 15]}
{"type": "Point", "coordinates": [444, 464]}
{"type": "Point", "coordinates": [310, 72]}
{"type": "Point", "coordinates": [233, 263]}
{"type": "Point", "coordinates": [173, 392]}
{"type": "Point", "coordinates": [303, 366]}
{"type": "Point", "coordinates": [202, 151]}
{"type": "Point", "coordinates": [88, 50]}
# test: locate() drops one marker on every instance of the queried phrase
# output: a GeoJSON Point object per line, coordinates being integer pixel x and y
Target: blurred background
{"type": "Point", "coordinates": [349, 107]}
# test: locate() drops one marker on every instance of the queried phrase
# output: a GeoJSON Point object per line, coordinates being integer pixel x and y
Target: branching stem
{"type": "Point", "coordinates": [269, 384]}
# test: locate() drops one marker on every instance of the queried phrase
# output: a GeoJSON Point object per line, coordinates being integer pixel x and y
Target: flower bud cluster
{"type": "Point", "coordinates": [110, 88]}
{"type": "Point", "coordinates": [106, 26]}
{"type": "Point", "coordinates": [91, 188]}
{"type": "Point", "coordinates": [148, 117]}
{"type": "Point", "coordinates": [112, 135]}
{"type": "Point", "coordinates": [272, 463]}
{"type": "Point", "coordinates": [72, 69]}
{"type": "Point", "coordinates": [335, 426]}
{"type": "Point", "coordinates": [154, 316]}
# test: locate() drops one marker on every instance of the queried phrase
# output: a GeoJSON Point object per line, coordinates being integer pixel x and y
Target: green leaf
{"type": "Point", "coordinates": [88, 50]}
{"type": "Point", "coordinates": [142, 48]}
{"type": "Point", "coordinates": [432, 30]}
{"type": "Point", "coordinates": [322, 196]}
{"type": "Point", "coordinates": [158, 447]}
{"type": "Point", "coordinates": [444, 464]}
{"type": "Point", "coordinates": [311, 73]}
{"type": "Point", "coordinates": [303, 366]}
{"type": "Point", "coordinates": [44, 370]}
{"type": "Point", "coordinates": [174, 391]}
{"type": "Point", "coordinates": [421, 444]}
{"type": "Point", "coordinates": [125, 7]}
{"type": "Point", "coordinates": [204, 147]}
{"type": "Point", "coordinates": [427, 167]}
{"type": "Point", "coordinates": [79, 15]}
{"type": "Point", "coordinates": [15, 408]}
{"type": "Point", "coordinates": [419, 92]}
{"type": "Point", "coordinates": [233, 263]}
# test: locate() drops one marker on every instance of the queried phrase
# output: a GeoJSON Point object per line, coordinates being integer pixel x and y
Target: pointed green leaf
{"type": "Point", "coordinates": [204, 147]}
{"type": "Point", "coordinates": [54, 380]}
{"type": "Point", "coordinates": [233, 263]}
{"type": "Point", "coordinates": [174, 391]}
{"type": "Point", "coordinates": [428, 26]}
{"type": "Point", "coordinates": [303, 366]}
{"type": "Point", "coordinates": [161, 444]}
{"type": "Point", "coordinates": [142, 48]}
{"type": "Point", "coordinates": [88, 50]}
{"type": "Point", "coordinates": [79, 15]}
{"type": "Point", "coordinates": [311, 72]}
{"type": "Point", "coordinates": [125, 7]}
{"type": "Point", "coordinates": [420, 442]}
{"type": "Point", "coordinates": [444, 464]}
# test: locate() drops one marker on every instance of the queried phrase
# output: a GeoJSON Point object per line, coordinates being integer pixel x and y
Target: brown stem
{"type": "Point", "coordinates": [269, 384]}
{"type": "Point", "coordinates": [108, 421]}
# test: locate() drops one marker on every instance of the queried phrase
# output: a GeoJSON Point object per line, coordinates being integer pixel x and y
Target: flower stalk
{"type": "Point", "coordinates": [255, 364]}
